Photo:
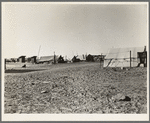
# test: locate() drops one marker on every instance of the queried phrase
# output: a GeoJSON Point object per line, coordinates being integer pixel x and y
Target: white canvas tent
{"type": "Point", "coordinates": [47, 59]}
{"type": "Point", "coordinates": [120, 57]}
{"type": "Point", "coordinates": [81, 57]}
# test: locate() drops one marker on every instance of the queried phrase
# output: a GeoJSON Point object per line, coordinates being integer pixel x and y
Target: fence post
{"type": "Point", "coordinates": [130, 58]}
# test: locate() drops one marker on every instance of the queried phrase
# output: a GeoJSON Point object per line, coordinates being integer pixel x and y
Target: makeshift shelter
{"type": "Point", "coordinates": [75, 59]}
{"type": "Point", "coordinates": [21, 59]}
{"type": "Point", "coordinates": [8, 60]}
{"type": "Point", "coordinates": [33, 59]}
{"type": "Point", "coordinates": [29, 59]}
{"type": "Point", "coordinates": [61, 60]}
{"type": "Point", "coordinates": [120, 57]}
{"type": "Point", "coordinates": [14, 59]}
{"type": "Point", "coordinates": [90, 58]}
{"type": "Point", "coordinates": [98, 58]}
{"type": "Point", "coordinates": [47, 59]}
{"type": "Point", "coordinates": [81, 57]}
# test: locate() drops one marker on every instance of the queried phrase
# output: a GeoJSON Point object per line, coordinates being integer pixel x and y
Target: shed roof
{"type": "Point", "coordinates": [22, 56]}
{"type": "Point", "coordinates": [33, 57]}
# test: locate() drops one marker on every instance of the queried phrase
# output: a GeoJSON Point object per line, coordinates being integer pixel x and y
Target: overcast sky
{"type": "Point", "coordinates": [70, 29]}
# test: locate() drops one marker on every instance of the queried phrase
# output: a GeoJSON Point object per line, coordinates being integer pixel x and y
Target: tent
{"type": "Point", "coordinates": [120, 57]}
{"type": "Point", "coordinates": [81, 57]}
{"type": "Point", "coordinates": [47, 59]}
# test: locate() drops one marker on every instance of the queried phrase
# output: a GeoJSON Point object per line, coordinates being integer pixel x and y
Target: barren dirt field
{"type": "Point", "coordinates": [76, 88]}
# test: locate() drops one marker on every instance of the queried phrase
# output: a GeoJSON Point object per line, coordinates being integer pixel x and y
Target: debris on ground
{"type": "Point", "coordinates": [77, 89]}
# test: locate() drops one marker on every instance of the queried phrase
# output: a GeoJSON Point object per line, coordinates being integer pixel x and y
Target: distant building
{"type": "Point", "coordinates": [47, 59]}
{"type": "Point", "coordinates": [21, 59]}
{"type": "Point", "coordinates": [99, 57]}
{"type": "Point", "coordinates": [81, 57]}
{"type": "Point", "coordinates": [95, 58]}
{"type": "Point", "coordinates": [8, 60]}
{"type": "Point", "coordinates": [14, 59]}
{"type": "Point", "coordinates": [29, 59]}
{"type": "Point", "coordinates": [90, 58]}
{"type": "Point", "coordinates": [33, 59]}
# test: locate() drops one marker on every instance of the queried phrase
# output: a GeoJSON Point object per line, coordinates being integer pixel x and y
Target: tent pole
{"type": "Point", "coordinates": [130, 58]}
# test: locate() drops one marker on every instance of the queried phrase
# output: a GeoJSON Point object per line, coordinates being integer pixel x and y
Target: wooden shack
{"type": "Point", "coordinates": [33, 59]}
{"type": "Point", "coordinates": [21, 59]}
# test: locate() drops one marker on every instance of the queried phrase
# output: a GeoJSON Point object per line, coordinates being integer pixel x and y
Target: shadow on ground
{"type": "Point", "coordinates": [22, 71]}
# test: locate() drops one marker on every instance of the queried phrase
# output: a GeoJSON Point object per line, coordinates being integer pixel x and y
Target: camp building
{"type": "Point", "coordinates": [21, 59]}
{"type": "Point", "coordinates": [32, 59]}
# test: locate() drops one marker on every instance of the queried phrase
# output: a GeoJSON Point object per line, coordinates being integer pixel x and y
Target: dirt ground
{"type": "Point", "coordinates": [75, 88]}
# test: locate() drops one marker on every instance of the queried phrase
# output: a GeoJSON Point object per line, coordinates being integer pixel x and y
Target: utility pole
{"type": "Point", "coordinates": [130, 58]}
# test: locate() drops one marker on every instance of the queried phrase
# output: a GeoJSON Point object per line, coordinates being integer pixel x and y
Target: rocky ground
{"type": "Point", "coordinates": [77, 88]}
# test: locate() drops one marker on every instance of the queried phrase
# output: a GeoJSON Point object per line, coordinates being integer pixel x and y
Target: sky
{"type": "Point", "coordinates": [71, 28]}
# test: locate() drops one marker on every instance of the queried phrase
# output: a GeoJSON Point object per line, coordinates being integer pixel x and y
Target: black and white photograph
{"type": "Point", "coordinates": [75, 61]}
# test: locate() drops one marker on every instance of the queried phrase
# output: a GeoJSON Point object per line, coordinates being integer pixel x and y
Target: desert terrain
{"type": "Point", "coordinates": [76, 88]}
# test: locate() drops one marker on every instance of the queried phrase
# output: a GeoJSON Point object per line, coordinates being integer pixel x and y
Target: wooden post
{"type": "Point", "coordinates": [5, 64]}
{"type": "Point", "coordinates": [130, 58]}
{"type": "Point", "coordinates": [101, 61]}
{"type": "Point", "coordinates": [54, 58]}
{"type": "Point", "coordinates": [145, 57]}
